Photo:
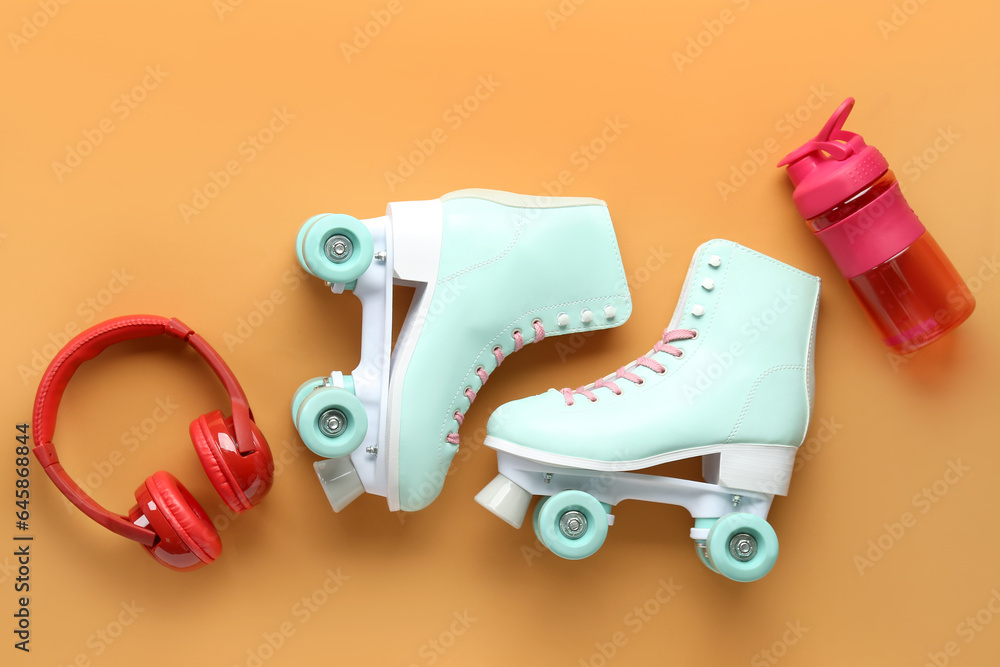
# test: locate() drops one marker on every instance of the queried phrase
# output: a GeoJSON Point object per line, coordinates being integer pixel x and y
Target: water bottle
{"type": "Point", "coordinates": [852, 202]}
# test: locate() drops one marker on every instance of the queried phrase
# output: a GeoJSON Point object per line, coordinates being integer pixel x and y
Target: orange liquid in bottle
{"type": "Point", "coordinates": [913, 298]}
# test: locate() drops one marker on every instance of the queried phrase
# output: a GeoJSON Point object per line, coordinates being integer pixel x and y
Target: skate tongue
{"type": "Point", "coordinates": [671, 333]}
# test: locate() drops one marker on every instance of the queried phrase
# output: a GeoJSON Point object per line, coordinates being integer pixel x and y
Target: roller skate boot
{"type": "Point", "coordinates": [731, 381]}
{"type": "Point", "coordinates": [492, 271]}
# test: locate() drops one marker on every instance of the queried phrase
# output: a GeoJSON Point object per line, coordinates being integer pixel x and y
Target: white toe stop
{"type": "Point", "coordinates": [562, 319]}
{"type": "Point", "coordinates": [586, 316]}
{"type": "Point", "coordinates": [340, 481]}
{"type": "Point", "coordinates": [505, 499]}
{"type": "Point", "coordinates": [610, 312]}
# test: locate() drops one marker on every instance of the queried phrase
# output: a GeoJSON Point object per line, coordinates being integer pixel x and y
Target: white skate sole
{"type": "Point", "coordinates": [759, 468]}
{"type": "Point", "coordinates": [738, 478]}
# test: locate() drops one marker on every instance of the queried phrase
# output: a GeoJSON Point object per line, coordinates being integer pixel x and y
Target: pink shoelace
{"type": "Point", "coordinates": [484, 374]}
{"type": "Point", "coordinates": [662, 345]}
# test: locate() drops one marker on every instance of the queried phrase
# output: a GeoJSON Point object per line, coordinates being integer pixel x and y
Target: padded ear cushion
{"type": "Point", "coordinates": [180, 522]}
{"type": "Point", "coordinates": [242, 480]}
{"type": "Point", "coordinates": [205, 437]}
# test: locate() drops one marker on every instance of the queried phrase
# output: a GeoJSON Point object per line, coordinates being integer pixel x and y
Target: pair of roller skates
{"type": "Point", "coordinates": [730, 380]}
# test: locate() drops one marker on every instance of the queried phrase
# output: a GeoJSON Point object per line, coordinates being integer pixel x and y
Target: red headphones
{"type": "Point", "coordinates": [166, 519]}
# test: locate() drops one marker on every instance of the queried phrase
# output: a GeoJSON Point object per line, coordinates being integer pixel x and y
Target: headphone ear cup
{"type": "Point", "coordinates": [242, 480]}
{"type": "Point", "coordinates": [186, 538]}
{"type": "Point", "coordinates": [206, 445]}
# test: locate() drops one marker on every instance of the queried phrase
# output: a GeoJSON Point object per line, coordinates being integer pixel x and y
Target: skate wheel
{"type": "Point", "coordinates": [335, 247]}
{"type": "Point", "coordinates": [300, 238]}
{"type": "Point", "coordinates": [534, 516]}
{"type": "Point", "coordinates": [742, 547]}
{"type": "Point", "coordinates": [304, 390]}
{"type": "Point", "coordinates": [331, 421]}
{"type": "Point", "coordinates": [572, 524]}
{"type": "Point", "coordinates": [698, 549]}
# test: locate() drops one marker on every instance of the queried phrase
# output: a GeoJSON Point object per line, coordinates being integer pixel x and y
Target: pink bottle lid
{"type": "Point", "coordinates": [831, 169]}
{"type": "Point", "coordinates": [832, 166]}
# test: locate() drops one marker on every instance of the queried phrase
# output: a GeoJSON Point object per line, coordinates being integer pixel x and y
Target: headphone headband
{"type": "Point", "coordinates": [87, 345]}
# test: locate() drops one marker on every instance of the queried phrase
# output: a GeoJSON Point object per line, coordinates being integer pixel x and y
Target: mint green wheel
{"type": "Point", "coordinates": [698, 549]}
{"type": "Point", "coordinates": [304, 390]}
{"type": "Point", "coordinates": [534, 516]}
{"type": "Point", "coordinates": [331, 421]}
{"type": "Point", "coordinates": [335, 247]}
{"type": "Point", "coordinates": [300, 238]}
{"type": "Point", "coordinates": [572, 524]}
{"type": "Point", "coordinates": [742, 547]}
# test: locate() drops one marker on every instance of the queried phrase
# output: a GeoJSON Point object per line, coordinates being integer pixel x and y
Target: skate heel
{"type": "Point", "coordinates": [760, 468]}
{"type": "Point", "coordinates": [416, 240]}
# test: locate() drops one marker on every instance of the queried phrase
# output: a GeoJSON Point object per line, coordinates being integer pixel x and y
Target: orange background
{"type": "Point", "coordinates": [894, 426]}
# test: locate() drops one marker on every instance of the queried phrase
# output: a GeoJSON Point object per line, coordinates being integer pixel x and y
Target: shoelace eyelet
{"type": "Point", "coordinates": [679, 356]}
{"type": "Point", "coordinates": [641, 382]}
{"type": "Point", "coordinates": [481, 372]}
{"type": "Point", "coordinates": [695, 336]}
{"type": "Point", "coordinates": [663, 372]}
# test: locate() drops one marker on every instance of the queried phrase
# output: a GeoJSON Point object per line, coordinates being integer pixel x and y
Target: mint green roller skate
{"type": "Point", "coordinates": [730, 381]}
{"type": "Point", "coordinates": [493, 272]}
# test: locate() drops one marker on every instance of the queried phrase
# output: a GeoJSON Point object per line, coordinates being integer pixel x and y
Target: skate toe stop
{"type": "Point", "coordinates": [505, 499]}
{"type": "Point", "coordinates": [340, 481]}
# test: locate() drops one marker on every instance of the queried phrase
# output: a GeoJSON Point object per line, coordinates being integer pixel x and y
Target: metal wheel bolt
{"type": "Point", "coordinates": [573, 524]}
{"type": "Point", "coordinates": [743, 547]}
{"type": "Point", "coordinates": [332, 422]}
{"type": "Point", "coordinates": [338, 248]}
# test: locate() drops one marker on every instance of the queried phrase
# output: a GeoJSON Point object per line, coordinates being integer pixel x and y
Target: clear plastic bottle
{"type": "Point", "coordinates": [852, 202]}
